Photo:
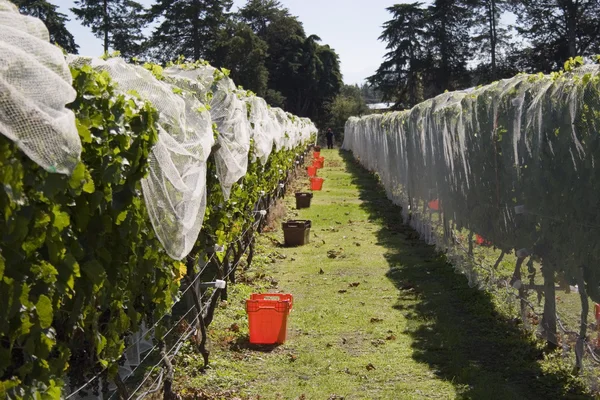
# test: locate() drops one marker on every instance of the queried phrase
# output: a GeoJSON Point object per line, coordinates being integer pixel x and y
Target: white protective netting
{"type": "Point", "coordinates": [283, 122]}
{"type": "Point", "coordinates": [264, 127]}
{"type": "Point", "coordinates": [175, 188]}
{"type": "Point", "coordinates": [35, 86]}
{"type": "Point", "coordinates": [513, 164]}
{"type": "Point", "coordinates": [228, 112]}
{"type": "Point", "coordinates": [307, 128]}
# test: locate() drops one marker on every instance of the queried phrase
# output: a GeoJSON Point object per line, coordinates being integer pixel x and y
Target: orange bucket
{"type": "Point", "coordinates": [316, 183]}
{"type": "Point", "coordinates": [434, 205]}
{"type": "Point", "coordinates": [317, 164]}
{"type": "Point", "coordinates": [267, 317]}
{"type": "Point", "coordinates": [312, 171]}
{"type": "Point", "coordinates": [481, 241]}
{"type": "Point", "coordinates": [316, 154]}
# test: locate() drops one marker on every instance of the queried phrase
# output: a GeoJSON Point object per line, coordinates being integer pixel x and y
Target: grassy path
{"type": "Point", "coordinates": [377, 315]}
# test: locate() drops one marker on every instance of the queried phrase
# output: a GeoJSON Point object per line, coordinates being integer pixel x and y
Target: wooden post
{"type": "Point", "coordinates": [585, 307]}
{"type": "Point", "coordinates": [549, 318]}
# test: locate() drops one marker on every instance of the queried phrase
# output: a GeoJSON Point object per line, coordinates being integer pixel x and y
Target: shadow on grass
{"type": "Point", "coordinates": [455, 329]}
{"type": "Point", "coordinates": [243, 343]}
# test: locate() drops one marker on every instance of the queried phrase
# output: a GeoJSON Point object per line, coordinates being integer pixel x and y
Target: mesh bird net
{"type": "Point", "coordinates": [191, 98]}
{"type": "Point", "coordinates": [35, 85]}
{"type": "Point", "coordinates": [227, 111]}
{"type": "Point", "coordinates": [175, 189]}
{"type": "Point", "coordinates": [500, 177]}
{"type": "Point", "coordinates": [264, 127]}
{"type": "Point", "coordinates": [197, 106]}
{"type": "Point", "coordinates": [283, 122]}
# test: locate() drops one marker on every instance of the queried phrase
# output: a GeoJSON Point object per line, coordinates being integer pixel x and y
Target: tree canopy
{"type": "Point", "coordinates": [557, 30]}
{"type": "Point", "coordinates": [54, 20]}
{"type": "Point", "coordinates": [454, 44]}
{"type": "Point", "coordinates": [266, 48]}
{"type": "Point", "coordinates": [189, 28]}
{"type": "Point", "coordinates": [349, 103]}
{"type": "Point", "coordinates": [400, 76]}
{"type": "Point", "coordinates": [118, 23]}
{"type": "Point", "coordinates": [431, 47]}
{"type": "Point", "coordinates": [303, 74]}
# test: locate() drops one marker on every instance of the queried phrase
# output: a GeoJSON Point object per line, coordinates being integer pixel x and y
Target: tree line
{"type": "Point", "coordinates": [455, 44]}
{"type": "Point", "coordinates": [265, 47]}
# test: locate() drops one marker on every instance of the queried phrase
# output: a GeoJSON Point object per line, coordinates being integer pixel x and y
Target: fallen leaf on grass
{"type": "Point", "coordinates": [226, 341]}
{"type": "Point", "coordinates": [357, 244]}
{"type": "Point", "coordinates": [374, 319]}
{"type": "Point", "coordinates": [370, 367]}
{"type": "Point", "coordinates": [292, 357]}
{"type": "Point", "coordinates": [342, 291]}
{"type": "Point", "coordinates": [336, 253]}
{"type": "Point", "coordinates": [391, 337]}
{"type": "Point", "coordinates": [321, 272]}
{"type": "Point", "coordinates": [234, 327]}
{"type": "Point", "coordinates": [354, 284]}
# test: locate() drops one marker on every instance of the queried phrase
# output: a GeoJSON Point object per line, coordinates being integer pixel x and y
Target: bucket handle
{"type": "Point", "coordinates": [274, 298]}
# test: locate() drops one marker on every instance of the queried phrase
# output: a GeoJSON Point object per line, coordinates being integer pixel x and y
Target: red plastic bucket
{"type": "Point", "coordinates": [316, 154]}
{"type": "Point", "coordinates": [267, 317]}
{"type": "Point", "coordinates": [316, 183]}
{"type": "Point", "coordinates": [312, 171]}
{"type": "Point", "coordinates": [434, 205]}
{"type": "Point", "coordinates": [481, 241]}
{"type": "Point", "coordinates": [317, 164]}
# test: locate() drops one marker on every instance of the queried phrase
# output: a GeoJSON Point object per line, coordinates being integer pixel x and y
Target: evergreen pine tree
{"type": "Point", "coordinates": [400, 77]}
{"type": "Point", "coordinates": [557, 30]}
{"type": "Point", "coordinates": [55, 22]}
{"type": "Point", "coordinates": [118, 23]}
{"type": "Point", "coordinates": [259, 14]}
{"type": "Point", "coordinates": [242, 52]}
{"type": "Point", "coordinates": [490, 38]}
{"type": "Point", "coordinates": [189, 28]}
{"type": "Point", "coordinates": [449, 24]}
{"type": "Point", "coordinates": [304, 75]}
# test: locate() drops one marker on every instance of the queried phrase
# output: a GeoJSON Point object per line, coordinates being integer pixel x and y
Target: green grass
{"type": "Point", "coordinates": [412, 328]}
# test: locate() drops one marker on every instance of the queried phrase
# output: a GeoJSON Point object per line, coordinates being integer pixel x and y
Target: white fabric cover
{"type": "Point", "coordinates": [175, 188]}
{"type": "Point", "coordinates": [35, 86]}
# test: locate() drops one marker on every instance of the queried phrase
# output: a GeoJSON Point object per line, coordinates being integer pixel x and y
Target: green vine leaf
{"type": "Point", "coordinates": [61, 219]}
{"type": "Point", "coordinates": [44, 311]}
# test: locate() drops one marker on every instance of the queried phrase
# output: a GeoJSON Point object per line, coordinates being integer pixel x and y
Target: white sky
{"type": "Point", "coordinates": [351, 27]}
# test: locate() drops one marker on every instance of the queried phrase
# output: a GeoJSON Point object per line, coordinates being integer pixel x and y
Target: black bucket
{"type": "Point", "coordinates": [296, 232]}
